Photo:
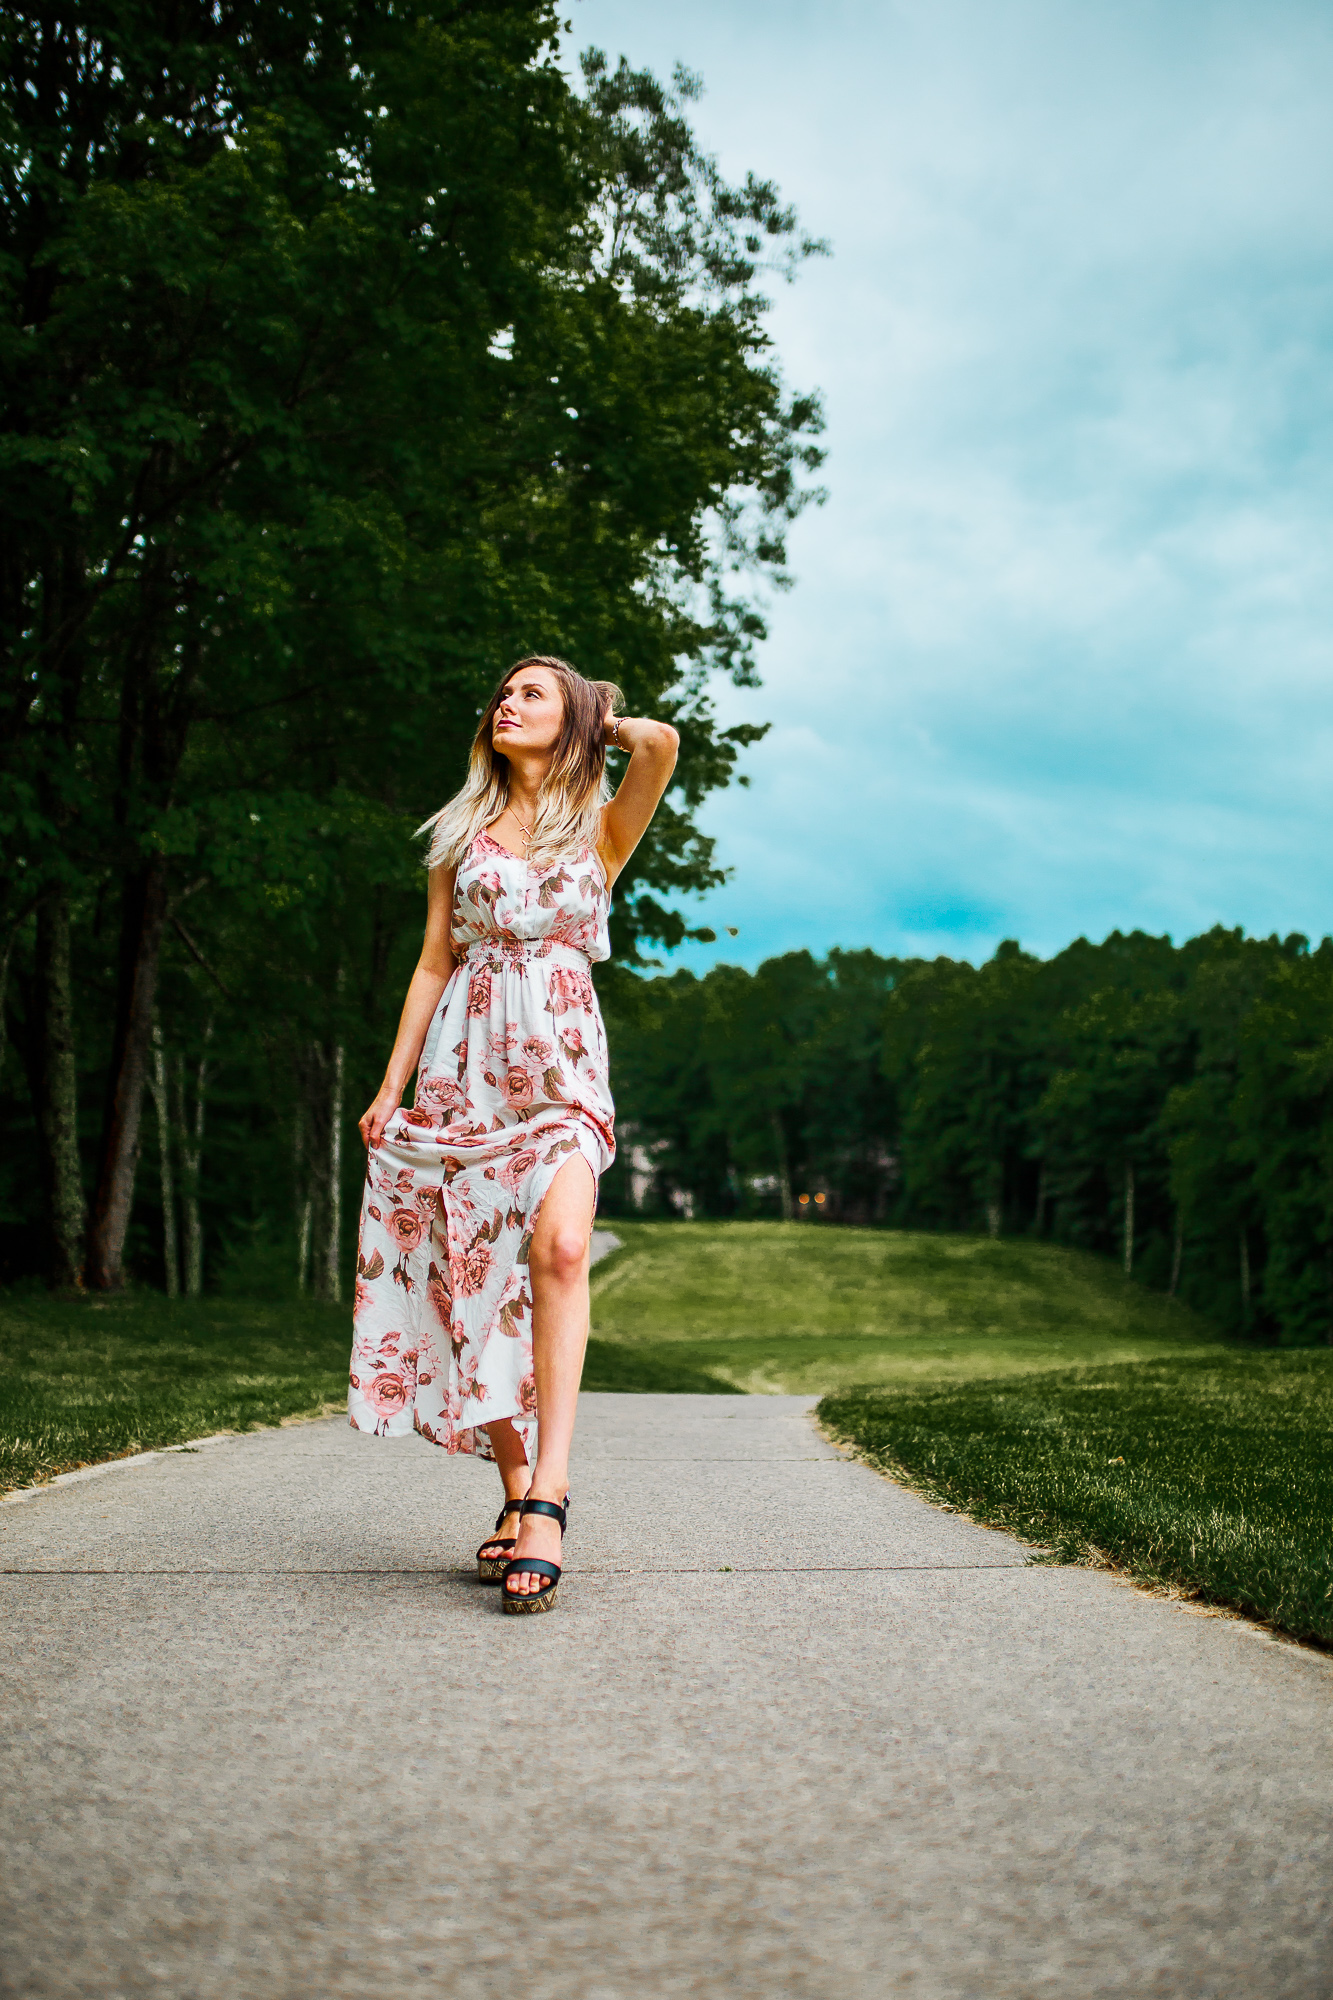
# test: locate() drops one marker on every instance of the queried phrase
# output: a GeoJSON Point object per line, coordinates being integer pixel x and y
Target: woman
{"type": "Point", "coordinates": [472, 1279]}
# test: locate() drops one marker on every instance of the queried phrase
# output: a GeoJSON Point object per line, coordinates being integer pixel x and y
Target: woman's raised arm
{"type": "Point", "coordinates": [652, 750]}
{"type": "Point", "coordinates": [435, 968]}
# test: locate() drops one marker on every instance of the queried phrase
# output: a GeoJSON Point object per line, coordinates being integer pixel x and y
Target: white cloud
{"type": "Point", "coordinates": [1058, 658]}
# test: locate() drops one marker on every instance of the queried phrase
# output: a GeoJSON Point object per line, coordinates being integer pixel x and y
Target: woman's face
{"type": "Point", "coordinates": [531, 712]}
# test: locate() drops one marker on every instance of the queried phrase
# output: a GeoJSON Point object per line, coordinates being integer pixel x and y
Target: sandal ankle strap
{"type": "Point", "coordinates": [549, 1508]}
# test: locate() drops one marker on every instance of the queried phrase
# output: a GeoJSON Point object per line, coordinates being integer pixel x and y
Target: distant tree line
{"type": "Point", "coordinates": [1168, 1106]}
{"type": "Point", "coordinates": [349, 351]}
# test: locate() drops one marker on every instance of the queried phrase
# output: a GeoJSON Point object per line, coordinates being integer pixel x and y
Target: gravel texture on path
{"type": "Point", "coordinates": [789, 1731]}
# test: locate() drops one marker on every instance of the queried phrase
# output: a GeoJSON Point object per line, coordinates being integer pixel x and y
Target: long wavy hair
{"type": "Point", "coordinates": [569, 805]}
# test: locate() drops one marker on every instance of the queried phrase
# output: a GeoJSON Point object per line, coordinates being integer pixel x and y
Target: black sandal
{"type": "Point", "coordinates": [543, 1599]}
{"type": "Point", "coordinates": [491, 1568]}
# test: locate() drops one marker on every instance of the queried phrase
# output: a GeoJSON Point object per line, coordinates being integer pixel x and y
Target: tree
{"type": "Point", "coordinates": [742, 1080]}
{"type": "Point", "coordinates": [1169, 1106]}
{"type": "Point", "coordinates": [1283, 1115]}
{"type": "Point", "coordinates": [959, 1046]}
{"type": "Point", "coordinates": [1099, 1120]}
{"type": "Point", "coordinates": [347, 355]}
{"type": "Point", "coordinates": [847, 1123]}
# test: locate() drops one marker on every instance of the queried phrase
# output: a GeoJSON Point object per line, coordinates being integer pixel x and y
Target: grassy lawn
{"type": "Point", "coordinates": [1210, 1472]}
{"type": "Point", "coordinates": [767, 1306]}
{"type": "Point", "coordinates": [88, 1379]}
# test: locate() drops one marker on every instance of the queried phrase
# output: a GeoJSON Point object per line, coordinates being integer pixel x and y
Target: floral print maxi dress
{"type": "Point", "coordinates": [512, 1083]}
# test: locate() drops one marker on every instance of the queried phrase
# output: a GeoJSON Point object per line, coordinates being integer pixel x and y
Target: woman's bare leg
{"type": "Point", "coordinates": [513, 1463]}
{"type": "Point", "coordinates": [558, 1264]}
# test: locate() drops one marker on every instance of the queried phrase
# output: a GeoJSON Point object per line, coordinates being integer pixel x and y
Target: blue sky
{"type": "Point", "coordinates": [1059, 658]}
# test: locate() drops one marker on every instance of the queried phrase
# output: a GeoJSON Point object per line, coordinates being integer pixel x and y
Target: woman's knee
{"type": "Point", "coordinates": [561, 1254]}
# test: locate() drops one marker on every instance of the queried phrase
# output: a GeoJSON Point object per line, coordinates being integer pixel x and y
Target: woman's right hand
{"type": "Point", "coordinates": [371, 1126]}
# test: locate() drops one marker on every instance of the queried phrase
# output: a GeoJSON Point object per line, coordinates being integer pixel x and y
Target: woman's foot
{"type": "Point", "coordinates": [491, 1549]}
{"type": "Point", "coordinates": [538, 1535]}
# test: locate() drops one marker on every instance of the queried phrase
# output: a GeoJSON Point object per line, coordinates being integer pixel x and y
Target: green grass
{"type": "Point", "coordinates": [806, 1308]}
{"type": "Point", "coordinates": [83, 1380]}
{"type": "Point", "coordinates": [1210, 1473]}
{"type": "Point", "coordinates": [640, 1371]}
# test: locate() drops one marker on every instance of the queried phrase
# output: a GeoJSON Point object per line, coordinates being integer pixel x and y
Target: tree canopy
{"type": "Point", "coordinates": [349, 352]}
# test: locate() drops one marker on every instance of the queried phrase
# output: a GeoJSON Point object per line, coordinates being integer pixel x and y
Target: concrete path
{"type": "Point", "coordinates": [788, 1732]}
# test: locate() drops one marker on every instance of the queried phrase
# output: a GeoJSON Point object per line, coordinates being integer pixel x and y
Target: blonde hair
{"type": "Point", "coordinates": [569, 805]}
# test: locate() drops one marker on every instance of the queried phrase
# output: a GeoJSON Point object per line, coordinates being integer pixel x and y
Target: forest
{"type": "Point", "coordinates": [349, 353]}
{"type": "Point", "coordinates": [1168, 1106]}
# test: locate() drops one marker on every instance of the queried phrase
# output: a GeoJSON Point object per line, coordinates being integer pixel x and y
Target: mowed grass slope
{"type": "Point", "coordinates": [806, 1308]}
{"type": "Point", "coordinates": [1211, 1473]}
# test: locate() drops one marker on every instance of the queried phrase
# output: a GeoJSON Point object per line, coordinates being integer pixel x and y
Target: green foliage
{"type": "Point", "coordinates": [1213, 1474]}
{"type": "Point", "coordinates": [347, 355]}
{"type": "Point", "coordinates": [623, 1371]}
{"type": "Point", "coordinates": [957, 1051]}
{"type": "Point", "coordinates": [1170, 1106]}
{"type": "Point", "coordinates": [726, 1080]}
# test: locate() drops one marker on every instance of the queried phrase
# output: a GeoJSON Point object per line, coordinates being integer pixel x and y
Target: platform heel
{"type": "Point", "coordinates": [543, 1599]}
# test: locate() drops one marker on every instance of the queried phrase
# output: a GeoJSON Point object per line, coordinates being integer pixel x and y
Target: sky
{"type": "Point", "coordinates": [1058, 656]}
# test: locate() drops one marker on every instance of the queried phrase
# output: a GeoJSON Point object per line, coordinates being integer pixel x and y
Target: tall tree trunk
{"type": "Point", "coordinates": [190, 1144]}
{"type": "Point", "coordinates": [304, 1196]}
{"type": "Point", "coordinates": [305, 1218]}
{"type": "Point", "coordinates": [1041, 1200]}
{"type": "Point", "coordinates": [157, 1083]}
{"type": "Point", "coordinates": [58, 1107]}
{"type": "Point", "coordinates": [784, 1176]}
{"type": "Point", "coordinates": [1129, 1220]}
{"type": "Point", "coordinates": [143, 915]}
{"type": "Point", "coordinates": [313, 1148]}
{"type": "Point", "coordinates": [1177, 1254]}
{"type": "Point", "coordinates": [320, 1071]}
{"type": "Point", "coordinates": [332, 1267]}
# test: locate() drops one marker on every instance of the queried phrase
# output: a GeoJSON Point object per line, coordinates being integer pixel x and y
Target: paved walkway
{"type": "Point", "coordinates": [788, 1732]}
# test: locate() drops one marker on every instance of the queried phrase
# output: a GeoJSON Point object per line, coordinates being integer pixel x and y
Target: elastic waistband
{"type": "Point", "coordinates": [499, 952]}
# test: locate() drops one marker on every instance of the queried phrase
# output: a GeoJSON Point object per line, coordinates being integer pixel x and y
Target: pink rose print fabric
{"type": "Point", "coordinates": [512, 1083]}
